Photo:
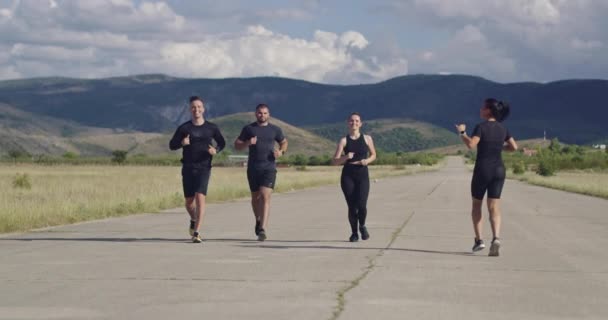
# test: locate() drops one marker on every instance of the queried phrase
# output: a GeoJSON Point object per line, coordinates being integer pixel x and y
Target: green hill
{"type": "Point", "coordinates": [157, 103]}
{"type": "Point", "coordinates": [300, 140]}
{"type": "Point", "coordinates": [395, 134]}
{"type": "Point", "coordinates": [23, 131]}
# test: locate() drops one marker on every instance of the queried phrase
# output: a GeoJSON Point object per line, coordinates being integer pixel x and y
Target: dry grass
{"type": "Point", "coordinates": [585, 182]}
{"type": "Point", "coordinates": [68, 194]}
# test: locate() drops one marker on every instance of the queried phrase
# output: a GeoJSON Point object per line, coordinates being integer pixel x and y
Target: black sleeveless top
{"type": "Point", "coordinates": [359, 147]}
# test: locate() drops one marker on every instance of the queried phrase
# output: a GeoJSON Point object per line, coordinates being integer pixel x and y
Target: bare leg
{"type": "Point", "coordinates": [494, 208]}
{"type": "Point", "coordinates": [476, 215]}
{"type": "Point", "coordinates": [200, 210]}
{"type": "Point", "coordinates": [255, 205]}
{"type": "Point", "coordinates": [191, 208]}
{"type": "Point", "coordinates": [264, 205]}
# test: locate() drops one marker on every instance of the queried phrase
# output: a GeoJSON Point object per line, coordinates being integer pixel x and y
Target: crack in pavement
{"type": "Point", "coordinates": [371, 262]}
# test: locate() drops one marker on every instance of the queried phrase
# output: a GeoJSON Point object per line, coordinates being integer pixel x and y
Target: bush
{"type": "Point", "coordinates": [555, 145]}
{"type": "Point", "coordinates": [300, 160]}
{"type": "Point", "coordinates": [314, 161]}
{"type": "Point", "coordinates": [119, 156]}
{"type": "Point", "coordinates": [69, 155]}
{"type": "Point", "coordinates": [519, 167]}
{"type": "Point", "coordinates": [546, 168]}
{"type": "Point", "coordinates": [22, 181]}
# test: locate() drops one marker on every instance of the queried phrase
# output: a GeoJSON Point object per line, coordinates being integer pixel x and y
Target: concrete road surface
{"type": "Point", "coordinates": [417, 264]}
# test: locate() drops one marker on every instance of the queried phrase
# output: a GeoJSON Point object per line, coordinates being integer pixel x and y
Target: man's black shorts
{"type": "Point", "coordinates": [195, 180]}
{"type": "Point", "coordinates": [261, 178]}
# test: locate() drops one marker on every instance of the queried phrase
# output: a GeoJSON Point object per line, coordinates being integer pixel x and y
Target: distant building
{"type": "Point", "coordinates": [600, 146]}
{"type": "Point", "coordinates": [530, 152]}
{"type": "Point", "coordinates": [240, 160]}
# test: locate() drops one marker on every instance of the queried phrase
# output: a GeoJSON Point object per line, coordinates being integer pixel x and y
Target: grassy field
{"type": "Point", "coordinates": [68, 194]}
{"type": "Point", "coordinates": [593, 183]}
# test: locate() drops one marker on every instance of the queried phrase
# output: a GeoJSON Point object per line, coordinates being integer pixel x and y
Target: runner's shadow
{"type": "Point", "coordinates": [457, 253]}
{"type": "Point", "coordinates": [99, 239]}
{"type": "Point", "coordinates": [185, 240]}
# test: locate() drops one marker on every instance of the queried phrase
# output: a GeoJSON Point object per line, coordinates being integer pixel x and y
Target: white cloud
{"type": "Point", "coordinates": [469, 34]}
{"type": "Point", "coordinates": [534, 11]}
{"type": "Point", "coordinates": [586, 45]}
{"type": "Point", "coordinates": [262, 52]}
{"type": "Point", "coordinates": [513, 40]}
{"type": "Point", "coordinates": [9, 72]}
{"type": "Point", "coordinates": [52, 53]}
{"type": "Point", "coordinates": [502, 40]}
{"type": "Point", "coordinates": [118, 37]}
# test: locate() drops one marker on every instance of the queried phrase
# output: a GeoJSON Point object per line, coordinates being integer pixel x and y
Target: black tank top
{"type": "Point", "coordinates": [359, 147]}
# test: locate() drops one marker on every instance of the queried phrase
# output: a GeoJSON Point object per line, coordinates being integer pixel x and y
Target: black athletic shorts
{"type": "Point", "coordinates": [261, 178]}
{"type": "Point", "coordinates": [195, 180]}
{"type": "Point", "coordinates": [490, 179]}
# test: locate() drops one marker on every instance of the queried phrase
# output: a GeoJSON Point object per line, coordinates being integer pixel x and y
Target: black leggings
{"type": "Point", "coordinates": [355, 185]}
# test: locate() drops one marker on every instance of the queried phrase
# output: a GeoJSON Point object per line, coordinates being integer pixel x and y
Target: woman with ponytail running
{"type": "Point", "coordinates": [490, 137]}
{"type": "Point", "coordinates": [355, 151]}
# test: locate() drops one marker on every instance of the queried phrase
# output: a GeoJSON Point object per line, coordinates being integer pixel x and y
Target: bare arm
{"type": "Point", "coordinates": [511, 145]}
{"type": "Point", "coordinates": [372, 151]}
{"type": "Point", "coordinates": [339, 159]}
{"type": "Point", "coordinates": [282, 149]}
{"type": "Point", "coordinates": [470, 142]}
{"type": "Point", "coordinates": [240, 145]}
{"type": "Point", "coordinates": [283, 146]}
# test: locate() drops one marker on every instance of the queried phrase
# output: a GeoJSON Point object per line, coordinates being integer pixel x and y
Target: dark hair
{"type": "Point", "coordinates": [195, 98]}
{"type": "Point", "coordinates": [500, 110]}
{"type": "Point", "coordinates": [260, 106]}
{"type": "Point", "coordinates": [355, 114]}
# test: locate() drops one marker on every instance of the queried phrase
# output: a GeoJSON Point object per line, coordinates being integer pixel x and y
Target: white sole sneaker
{"type": "Point", "coordinates": [494, 249]}
{"type": "Point", "coordinates": [479, 247]}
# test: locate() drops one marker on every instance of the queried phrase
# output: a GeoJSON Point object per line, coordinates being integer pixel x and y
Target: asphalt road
{"type": "Point", "coordinates": [417, 264]}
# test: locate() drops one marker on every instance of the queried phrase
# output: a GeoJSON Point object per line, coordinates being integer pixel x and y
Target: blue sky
{"type": "Point", "coordinates": [334, 41]}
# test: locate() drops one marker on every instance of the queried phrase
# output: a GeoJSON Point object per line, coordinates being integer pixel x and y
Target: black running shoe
{"type": "Point", "coordinates": [353, 237]}
{"type": "Point", "coordinates": [262, 235]}
{"type": "Point", "coordinates": [479, 245]}
{"type": "Point", "coordinates": [258, 227]}
{"type": "Point", "coordinates": [364, 233]}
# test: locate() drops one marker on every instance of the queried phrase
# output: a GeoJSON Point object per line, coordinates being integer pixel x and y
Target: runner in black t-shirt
{"type": "Point", "coordinates": [195, 138]}
{"type": "Point", "coordinates": [260, 137]}
{"type": "Point", "coordinates": [355, 151]}
{"type": "Point", "coordinates": [489, 173]}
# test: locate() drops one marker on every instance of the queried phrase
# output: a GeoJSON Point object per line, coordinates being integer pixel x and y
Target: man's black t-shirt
{"type": "Point", "coordinates": [261, 156]}
{"type": "Point", "coordinates": [197, 154]}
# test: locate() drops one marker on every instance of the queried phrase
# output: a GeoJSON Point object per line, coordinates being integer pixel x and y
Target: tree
{"type": "Point", "coordinates": [555, 146]}
{"type": "Point", "coordinates": [16, 154]}
{"type": "Point", "coordinates": [119, 156]}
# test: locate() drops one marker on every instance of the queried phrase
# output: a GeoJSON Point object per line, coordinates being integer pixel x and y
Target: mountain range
{"type": "Point", "coordinates": [572, 110]}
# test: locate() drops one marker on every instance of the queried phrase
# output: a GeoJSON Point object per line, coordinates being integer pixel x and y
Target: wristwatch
{"type": "Point", "coordinates": [462, 133]}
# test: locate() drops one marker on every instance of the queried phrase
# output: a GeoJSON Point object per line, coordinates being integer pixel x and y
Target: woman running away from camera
{"type": "Point", "coordinates": [490, 137]}
{"type": "Point", "coordinates": [355, 151]}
